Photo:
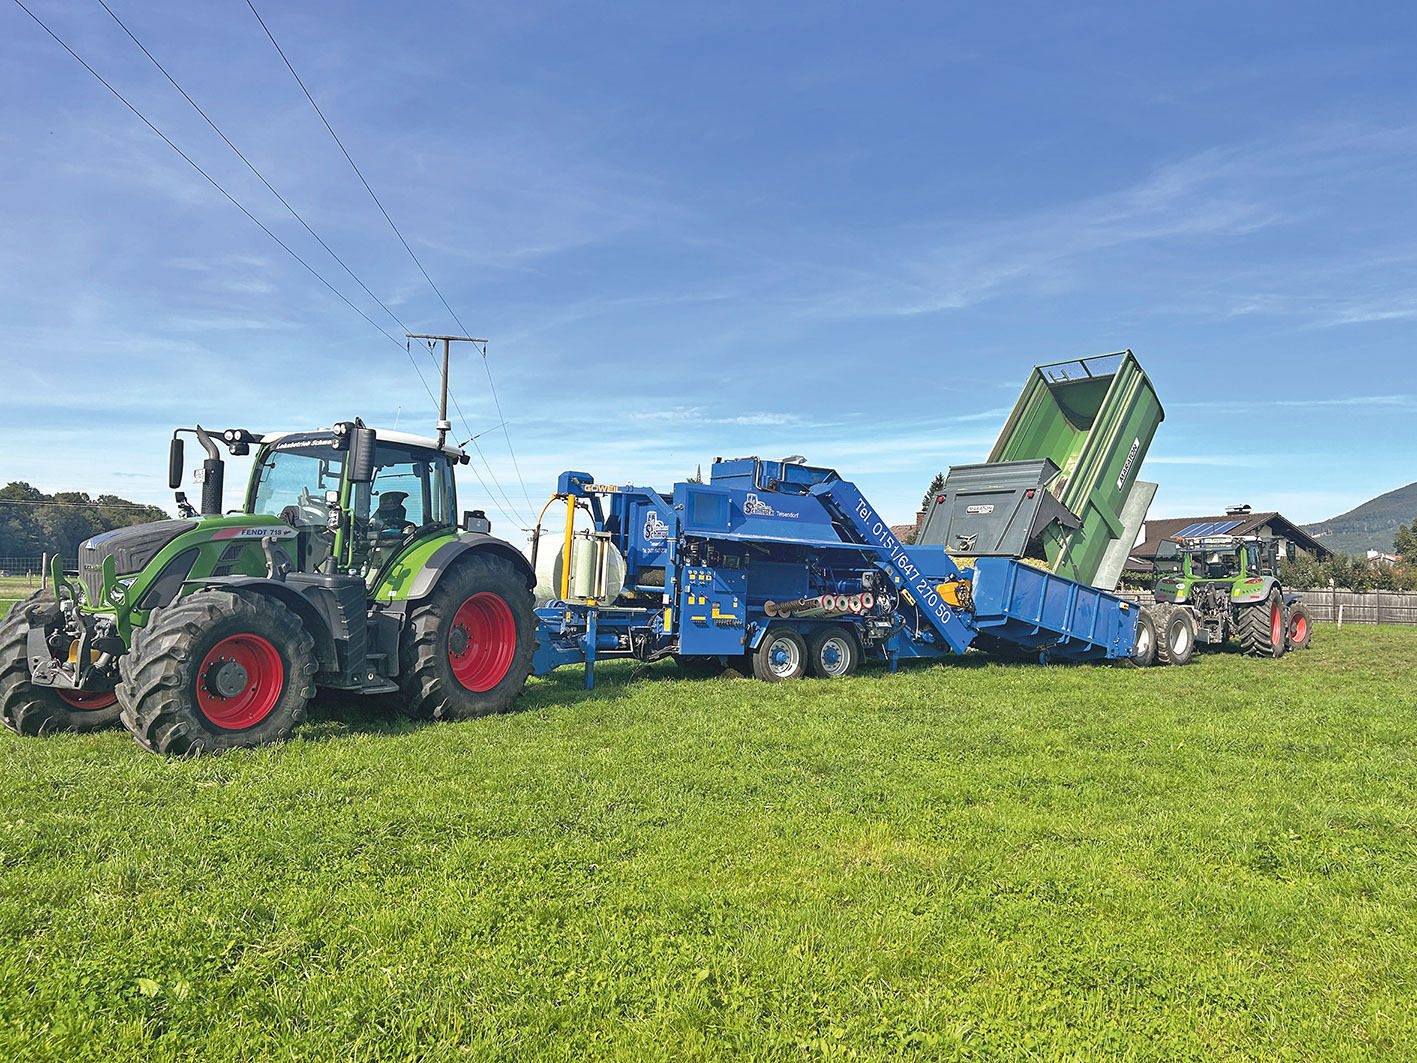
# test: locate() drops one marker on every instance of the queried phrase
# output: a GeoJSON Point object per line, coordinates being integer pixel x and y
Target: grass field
{"type": "Point", "coordinates": [980, 861]}
{"type": "Point", "coordinates": [13, 588]}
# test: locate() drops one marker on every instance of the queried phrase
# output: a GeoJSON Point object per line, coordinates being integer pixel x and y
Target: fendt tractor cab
{"type": "Point", "coordinates": [346, 569]}
{"type": "Point", "coordinates": [1229, 586]}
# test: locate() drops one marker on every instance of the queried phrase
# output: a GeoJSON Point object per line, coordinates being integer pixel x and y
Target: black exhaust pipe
{"type": "Point", "coordinates": [213, 473]}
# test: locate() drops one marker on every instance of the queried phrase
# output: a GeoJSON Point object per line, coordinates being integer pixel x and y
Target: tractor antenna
{"type": "Point", "coordinates": [444, 425]}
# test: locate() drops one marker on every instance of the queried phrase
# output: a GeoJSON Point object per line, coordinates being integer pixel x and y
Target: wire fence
{"type": "Point", "coordinates": [27, 566]}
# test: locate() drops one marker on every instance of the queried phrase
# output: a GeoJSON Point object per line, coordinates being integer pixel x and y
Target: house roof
{"type": "Point", "coordinates": [1236, 524]}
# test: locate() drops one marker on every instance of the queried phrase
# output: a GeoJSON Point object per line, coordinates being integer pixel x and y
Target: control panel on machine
{"type": "Point", "coordinates": [713, 609]}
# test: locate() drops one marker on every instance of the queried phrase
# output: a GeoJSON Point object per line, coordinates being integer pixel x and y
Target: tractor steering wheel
{"type": "Point", "coordinates": [312, 510]}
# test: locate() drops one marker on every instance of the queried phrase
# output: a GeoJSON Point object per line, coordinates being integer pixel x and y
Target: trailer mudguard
{"type": "Point", "coordinates": [289, 596]}
{"type": "Point", "coordinates": [1253, 590]}
{"type": "Point", "coordinates": [443, 558]}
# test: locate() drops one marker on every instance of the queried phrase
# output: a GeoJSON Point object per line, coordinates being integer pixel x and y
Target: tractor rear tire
{"type": "Point", "coordinates": [1144, 642]}
{"type": "Point", "coordinates": [1299, 627]}
{"type": "Point", "coordinates": [781, 655]}
{"type": "Point", "coordinates": [1175, 635]}
{"type": "Point", "coordinates": [466, 648]}
{"type": "Point", "coordinates": [32, 710]}
{"type": "Point", "coordinates": [217, 670]}
{"type": "Point", "coordinates": [833, 652]}
{"type": "Point", "coordinates": [1262, 628]}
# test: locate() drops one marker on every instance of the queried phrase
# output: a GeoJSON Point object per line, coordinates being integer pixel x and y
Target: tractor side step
{"type": "Point", "coordinates": [375, 682]}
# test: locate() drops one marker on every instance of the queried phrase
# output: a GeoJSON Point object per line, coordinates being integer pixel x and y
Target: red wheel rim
{"type": "Point", "coordinates": [1298, 628]}
{"type": "Point", "coordinates": [481, 642]}
{"type": "Point", "coordinates": [239, 682]}
{"type": "Point", "coordinates": [1276, 625]}
{"type": "Point", "coordinates": [87, 701]}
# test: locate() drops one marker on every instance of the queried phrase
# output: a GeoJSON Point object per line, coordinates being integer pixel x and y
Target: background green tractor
{"type": "Point", "coordinates": [1228, 587]}
{"type": "Point", "coordinates": [345, 569]}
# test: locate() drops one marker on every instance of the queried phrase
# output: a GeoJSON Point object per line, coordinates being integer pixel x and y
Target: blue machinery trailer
{"type": "Point", "coordinates": [788, 566]}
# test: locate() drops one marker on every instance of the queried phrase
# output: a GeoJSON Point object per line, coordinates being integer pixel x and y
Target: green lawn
{"type": "Point", "coordinates": [13, 588]}
{"type": "Point", "coordinates": [979, 861]}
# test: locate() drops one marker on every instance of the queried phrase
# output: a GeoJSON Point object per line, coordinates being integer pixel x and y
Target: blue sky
{"type": "Point", "coordinates": [842, 230]}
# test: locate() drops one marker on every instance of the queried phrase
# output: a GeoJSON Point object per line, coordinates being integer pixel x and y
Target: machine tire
{"type": "Point", "coordinates": [466, 648]}
{"type": "Point", "coordinates": [31, 710]}
{"type": "Point", "coordinates": [1144, 644]}
{"type": "Point", "coordinates": [1262, 627]}
{"type": "Point", "coordinates": [781, 655]}
{"type": "Point", "coordinates": [1175, 635]}
{"type": "Point", "coordinates": [1299, 627]}
{"type": "Point", "coordinates": [833, 652]}
{"type": "Point", "coordinates": [217, 670]}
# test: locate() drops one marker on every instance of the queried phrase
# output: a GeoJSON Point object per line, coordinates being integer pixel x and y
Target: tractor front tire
{"type": "Point", "coordinates": [1262, 627]}
{"type": "Point", "coordinates": [1175, 635]}
{"type": "Point", "coordinates": [217, 670]}
{"type": "Point", "coordinates": [1300, 627]}
{"type": "Point", "coordinates": [466, 648]}
{"type": "Point", "coordinates": [31, 710]}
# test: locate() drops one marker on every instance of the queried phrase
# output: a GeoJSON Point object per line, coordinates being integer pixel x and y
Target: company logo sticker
{"type": "Point", "coordinates": [754, 507]}
{"type": "Point", "coordinates": [1127, 465]}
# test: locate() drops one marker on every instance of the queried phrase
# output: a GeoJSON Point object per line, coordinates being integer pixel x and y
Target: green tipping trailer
{"type": "Point", "coordinates": [1060, 485]}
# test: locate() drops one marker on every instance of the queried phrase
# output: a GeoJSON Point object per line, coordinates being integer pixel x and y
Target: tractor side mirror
{"type": "Point", "coordinates": [361, 456]}
{"type": "Point", "coordinates": [175, 464]}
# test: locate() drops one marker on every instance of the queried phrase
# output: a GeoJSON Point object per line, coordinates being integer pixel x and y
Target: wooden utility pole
{"type": "Point", "coordinates": [443, 423]}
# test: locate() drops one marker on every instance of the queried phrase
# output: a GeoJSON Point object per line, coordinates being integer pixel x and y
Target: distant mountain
{"type": "Point", "coordinates": [1369, 526]}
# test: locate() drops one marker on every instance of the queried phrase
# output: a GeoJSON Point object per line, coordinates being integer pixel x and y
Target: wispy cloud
{"type": "Point", "coordinates": [1215, 203]}
{"type": "Point", "coordinates": [686, 416]}
{"type": "Point", "coordinates": [1379, 402]}
{"type": "Point", "coordinates": [1227, 461]}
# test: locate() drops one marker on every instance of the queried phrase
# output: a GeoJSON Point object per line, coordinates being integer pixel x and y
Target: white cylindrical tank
{"type": "Point", "coordinates": [597, 568]}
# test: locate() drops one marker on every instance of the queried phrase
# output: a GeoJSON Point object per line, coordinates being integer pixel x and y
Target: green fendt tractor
{"type": "Point", "coordinates": [346, 569]}
{"type": "Point", "coordinates": [1222, 587]}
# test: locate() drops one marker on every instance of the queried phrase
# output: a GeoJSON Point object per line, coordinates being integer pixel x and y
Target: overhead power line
{"type": "Point", "coordinates": [251, 166]}
{"type": "Point", "coordinates": [215, 184]}
{"type": "Point", "coordinates": [407, 247]}
{"type": "Point", "coordinates": [512, 511]}
{"type": "Point", "coordinates": [352, 164]}
{"type": "Point", "coordinates": [503, 418]}
{"type": "Point", "coordinates": [265, 229]}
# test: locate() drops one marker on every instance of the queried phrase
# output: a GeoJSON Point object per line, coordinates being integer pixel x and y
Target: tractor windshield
{"type": "Point", "coordinates": [1168, 557]}
{"type": "Point", "coordinates": [297, 474]}
{"type": "Point", "coordinates": [1214, 564]}
{"type": "Point", "coordinates": [412, 491]}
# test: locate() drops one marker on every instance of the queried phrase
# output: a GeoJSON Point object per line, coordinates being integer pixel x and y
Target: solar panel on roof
{"type": "Point", "coordinates": [1207, 527]}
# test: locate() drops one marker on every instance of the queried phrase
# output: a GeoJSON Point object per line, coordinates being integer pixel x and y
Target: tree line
{"type": "Point", "coordinates": [1357, 573]}
{"type": "Point", "coordinates": [33, 523]}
